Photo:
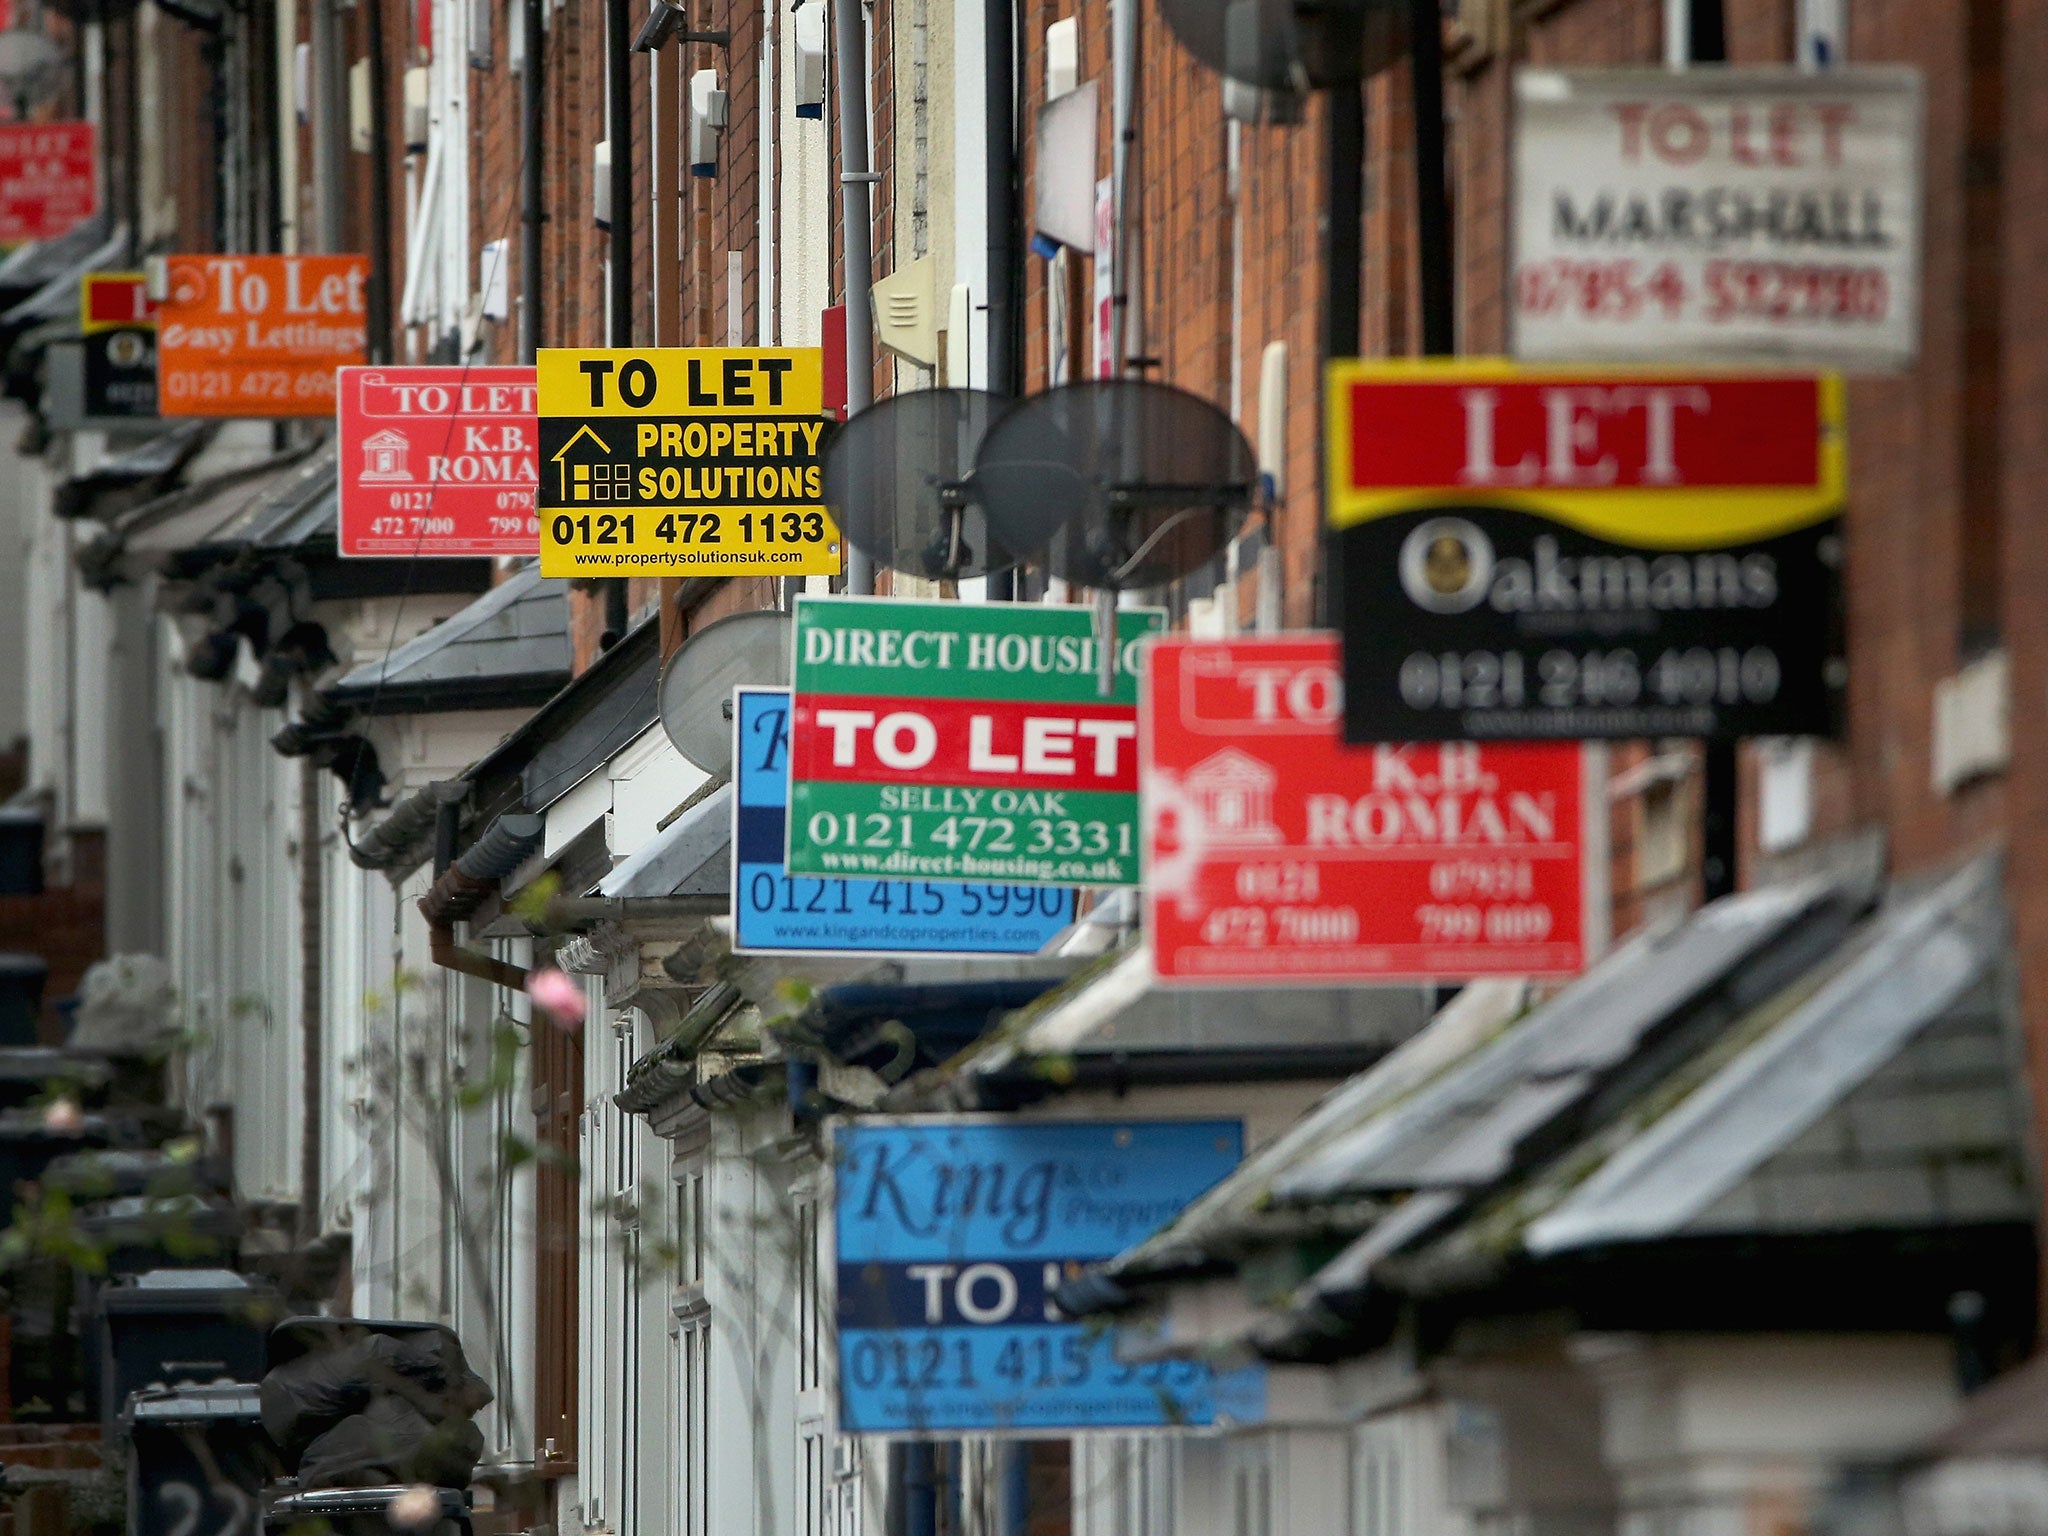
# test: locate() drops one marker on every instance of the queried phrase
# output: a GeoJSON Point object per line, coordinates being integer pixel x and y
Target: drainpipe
{"type": "Point", "coordinates": [1127, 330]}
{"type": "Point", "coordinates": [1432, 197]}
{"type": "Point", "coordinates": [1693, 34]}
{"type": "Point", "coordinates": [330, 126]}
{"type": "Point", "coordinates": [1005, 356]}
{"type": "Point", "coordinates": [1013, 1459]}
{"type": "Point", "coordinates": [378, 297]}
{"type": "Point", "coordinates": [461, 888]}
{"type": "Point", "coordinates": [312, 994]}
{"type": "Point", "coordinates": [532, 190]}
{"type": "Point", "coordinates": [450, 956]}
{"type": "Point", "coordinates": [1000, 152]}
{"type": "Point", "coordinates": [856, 215]}
{"type": "Point", "coordinates": [618, 65]}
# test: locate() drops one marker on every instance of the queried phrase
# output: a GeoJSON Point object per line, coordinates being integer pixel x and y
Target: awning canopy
{"type": "Point", "coordinates": [1476, 1124]}
{"type": "Point", "coordinates": [292, 506]}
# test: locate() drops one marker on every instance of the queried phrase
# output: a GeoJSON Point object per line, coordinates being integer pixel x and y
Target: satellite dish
{"type": "Point", "coordinates": [1148, 481]}
{"type": "Point", "coordinates": [742, 650]}
{"type": "Point", "coordinates": [898, 481]}
{"type": "Point", "coordinates": [1290, 45]}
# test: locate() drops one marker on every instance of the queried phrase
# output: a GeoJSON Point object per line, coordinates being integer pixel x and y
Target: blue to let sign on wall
{"type": "Point", "coordinates": [776, 912]}
{"type": "Point", "coordinates": [952, 1235]}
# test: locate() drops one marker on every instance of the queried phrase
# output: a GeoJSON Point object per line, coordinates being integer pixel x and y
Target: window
{"type": "Point", "coordinates": [691, 1336]}
{"type": "Point", "coordinates": [811, 1333]}
{"type": "Point", "coordinates": [1251, 1487]}
{"type": "Point", "coordinates": [557, 1087]}
{"type": "Point", "coordinates": [1376, 1482]}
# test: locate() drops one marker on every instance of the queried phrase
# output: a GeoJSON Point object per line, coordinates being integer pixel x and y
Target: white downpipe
{"type": "Point", "coordinates": [770, 120]}
{"type": "Point", "coordinates": [426, 229]}
{"type": "Point", "coordinates": [1677, 33]}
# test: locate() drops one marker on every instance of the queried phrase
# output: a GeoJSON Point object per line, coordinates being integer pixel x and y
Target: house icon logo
{"type": "Point", "coordinates": [592, 482]}
{"type": "Point", "coordinates": [1234, 793]}
{"type": "Point", "coordinates": [384, 455]}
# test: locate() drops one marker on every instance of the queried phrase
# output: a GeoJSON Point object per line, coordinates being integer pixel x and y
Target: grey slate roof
{"type": "Point", "coordinates": [1536, 1084]}
{"type": "Point", "coordinates": [509, 647]}
{"type": "Point", "coordinates": [1784, 1064]}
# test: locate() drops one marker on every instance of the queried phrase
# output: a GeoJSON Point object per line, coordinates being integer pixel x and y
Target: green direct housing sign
{"type": "Point", "coordinates": [963, 741]}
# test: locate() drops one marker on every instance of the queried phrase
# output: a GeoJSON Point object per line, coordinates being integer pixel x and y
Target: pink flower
{"type": "Point", "coordinates": [62, 1117]}
{"type": "Point", "coordinates": [559, 995]}
{"type": "Point", "coordinates": [416, 1507]}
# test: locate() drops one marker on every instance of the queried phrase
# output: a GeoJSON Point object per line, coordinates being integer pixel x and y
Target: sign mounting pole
{"type": "Point", "coordinates": [1720, 766]}
{"type": "Point", "coordinates": [856, 218]}
{"type": "Point", "coordinates": [1432, 197]}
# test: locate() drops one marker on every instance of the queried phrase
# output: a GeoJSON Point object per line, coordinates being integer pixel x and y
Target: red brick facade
{"type": "Point", "coordinates": [1945, 460]}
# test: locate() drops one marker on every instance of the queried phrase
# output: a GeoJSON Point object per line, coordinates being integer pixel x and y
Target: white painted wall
{"type": "Point", "coordinates": [803, 245]}
{"type": "Point", "coordinates": [231, 901]}
{"type": "Point", "coordinates": [18, 511]}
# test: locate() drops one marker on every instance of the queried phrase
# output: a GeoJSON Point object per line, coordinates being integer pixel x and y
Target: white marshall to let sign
{"type": "Point", "coordinates": [1736, 215]}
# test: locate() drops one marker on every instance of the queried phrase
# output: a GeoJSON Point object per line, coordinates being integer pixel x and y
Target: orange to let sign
{"type": "Point", "coordinates": [259, 335]}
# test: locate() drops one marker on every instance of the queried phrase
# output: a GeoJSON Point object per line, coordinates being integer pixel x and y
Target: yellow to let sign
{"type": "Point", "coordinates": [683, 461]}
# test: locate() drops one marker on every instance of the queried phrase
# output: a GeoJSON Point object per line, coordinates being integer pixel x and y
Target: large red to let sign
{"type": "Point", "coordinates": [438, 461]}
{"type": "Point", "coordinates": [1275, 853]}
{"type": "Point", "coordinates": [259, 335]}
{"type": "Point", "coordinates": [49, 179]}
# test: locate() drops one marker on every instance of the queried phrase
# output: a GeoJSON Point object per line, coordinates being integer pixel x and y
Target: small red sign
{"type": "Point", "coordinates": [1619, 433]}
{"type": "Point", "coordinates": [1275, 853]}
{"type": "Point", "coordinates": [110, 300]}
{"type": "Point", "coordinates": [49, 179]}
{"type": "Point", "coordinates": [438, 461]}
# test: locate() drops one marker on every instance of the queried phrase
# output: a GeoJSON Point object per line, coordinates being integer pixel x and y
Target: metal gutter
{"type": "Point", "coordinates": [403, 839]}
{"type": "Point", "coordinates": [507, 843]}
{"type": "Point", "coordinates": [1028, 1080]}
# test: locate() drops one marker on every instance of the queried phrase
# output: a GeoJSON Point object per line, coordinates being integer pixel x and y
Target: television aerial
{"type": "Point", "coordinates": [694, 698]}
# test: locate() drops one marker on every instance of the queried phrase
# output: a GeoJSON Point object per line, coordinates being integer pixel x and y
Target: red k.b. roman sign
{"type": "Point", "coordinates": [438, 461]}
{"type": "Point", "coordinates": [1275, 853]}
{"type": "Point", "coordinates": [49, 181]}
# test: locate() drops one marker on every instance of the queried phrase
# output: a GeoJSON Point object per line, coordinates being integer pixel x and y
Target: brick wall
{"type": "Point", "coordinates": [1214, 248]}
{"type": "Point", "coordinates": [2025, 377]}
{"type": "Point", "coordinates": [1915, 478]}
